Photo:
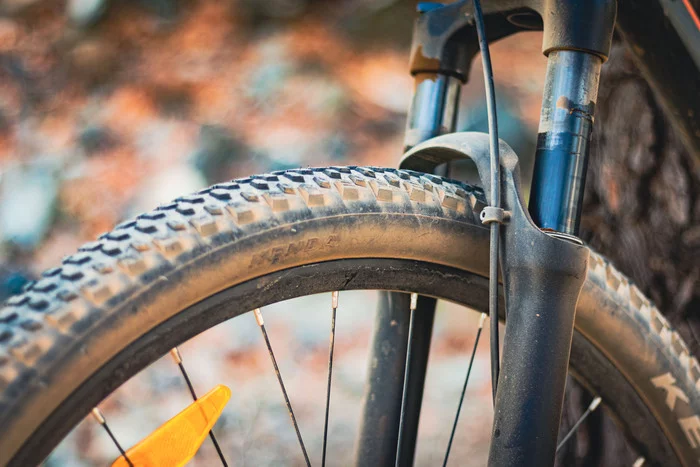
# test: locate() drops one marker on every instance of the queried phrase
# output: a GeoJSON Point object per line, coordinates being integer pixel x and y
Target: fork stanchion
{"type": "Point", "coordinates": [566, 123]}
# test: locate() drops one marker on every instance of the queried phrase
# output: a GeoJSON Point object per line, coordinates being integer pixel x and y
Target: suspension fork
{"type": "Point", "coordinates": [543, 263]}
{"type": "Point", "coordinates": [542, 285]}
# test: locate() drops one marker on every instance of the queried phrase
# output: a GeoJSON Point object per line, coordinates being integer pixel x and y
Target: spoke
{"type": "Point", "coordinates": [464, 388]}
{"type": "Point", "coordinates": [97, 413]}
{"type": "Point", "coordinates": [591, 408]}
{"type": "Point", "coordinates": [334, 306]}
{"type": "Point", "coordinates": [261, 323]}
{"type": "Point", "coordinates": [175, 353]}
{"type": "Point", "coordinates": [412, 309]}
{"type": "Point", "coordinates": [493, 336]}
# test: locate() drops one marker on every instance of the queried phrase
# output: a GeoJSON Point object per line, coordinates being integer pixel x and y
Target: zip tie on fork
{"type": "Point", "coordinates": [492, 214]}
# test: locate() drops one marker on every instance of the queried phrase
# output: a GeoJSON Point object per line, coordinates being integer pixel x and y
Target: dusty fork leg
{"type": "Point", "coordinates": [542, 276]}
{"type": "Point", "coordinates": [379, 429]}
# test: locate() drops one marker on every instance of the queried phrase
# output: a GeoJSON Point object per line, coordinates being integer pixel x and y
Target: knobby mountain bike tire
{"type": "Point", "coordinates": [123, 301]}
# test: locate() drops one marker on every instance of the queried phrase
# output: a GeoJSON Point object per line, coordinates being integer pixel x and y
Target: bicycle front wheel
{"type": "Point", "coordinates": [122, 302]}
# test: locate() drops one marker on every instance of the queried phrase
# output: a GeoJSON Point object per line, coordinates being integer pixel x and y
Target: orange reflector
{"type": "Point", "coordinates": [177, 441]}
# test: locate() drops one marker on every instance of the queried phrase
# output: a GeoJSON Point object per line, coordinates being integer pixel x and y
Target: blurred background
{"type": "Point", "coordinates": [109, 108]}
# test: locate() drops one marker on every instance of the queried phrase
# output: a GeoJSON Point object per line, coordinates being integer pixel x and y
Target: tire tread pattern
{"type": "Point", "coordinates": [68, 300]}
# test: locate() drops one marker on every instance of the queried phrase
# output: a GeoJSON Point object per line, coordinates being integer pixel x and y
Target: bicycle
{"type": "Point", "coordinates": [141, 290]}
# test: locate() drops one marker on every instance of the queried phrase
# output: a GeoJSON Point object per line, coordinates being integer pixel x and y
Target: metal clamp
{"type": "Point", "coordinates": [493, 214]}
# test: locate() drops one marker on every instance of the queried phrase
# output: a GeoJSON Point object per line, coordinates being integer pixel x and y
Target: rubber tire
{"type": "Point", "coordinates": [75, 328]}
